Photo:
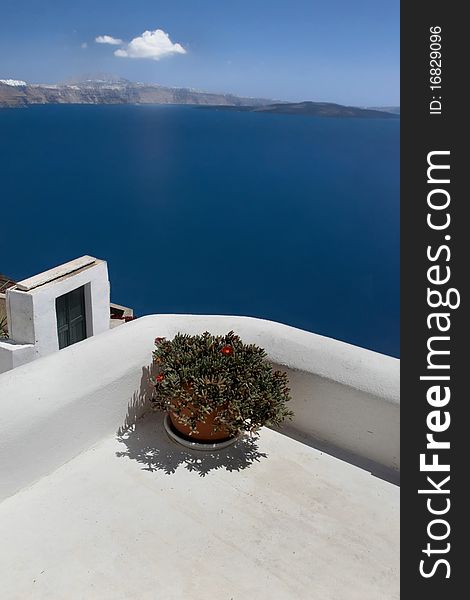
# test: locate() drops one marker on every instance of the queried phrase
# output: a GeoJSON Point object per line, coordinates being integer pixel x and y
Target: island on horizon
{"type": "Point", "coordinates": [315, 109]}
{"type": "Point", "coordinates": [20, 94]}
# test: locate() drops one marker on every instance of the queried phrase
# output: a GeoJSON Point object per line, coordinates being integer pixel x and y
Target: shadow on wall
{"type": "Point", "coordinates": [147, 442]}
{"type": "Point", "coordinates": [370, 466]}
{"type": "Point", "coordinates": [141, 401]}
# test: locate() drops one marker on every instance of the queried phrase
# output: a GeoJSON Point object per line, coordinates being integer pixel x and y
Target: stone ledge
{"type": "Point", "coordinates": [68, 268]}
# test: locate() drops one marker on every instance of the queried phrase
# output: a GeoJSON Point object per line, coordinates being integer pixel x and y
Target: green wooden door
{"type": "Point", "coordinates": [71, 320]}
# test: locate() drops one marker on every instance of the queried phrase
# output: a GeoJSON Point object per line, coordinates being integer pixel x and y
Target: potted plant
{"type": "Point", "coordinates": [215, 387]}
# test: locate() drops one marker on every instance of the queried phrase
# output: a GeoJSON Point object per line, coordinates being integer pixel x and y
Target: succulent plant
{"type": "Point", "coordinates": [207, 373]}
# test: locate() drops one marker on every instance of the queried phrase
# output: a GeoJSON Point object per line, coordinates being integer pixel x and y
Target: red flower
{"type": "Point", "coordinates": [159, 378]}
{"type": "Point", "coordinates": [159, 340]}
{"type": "Point", "coordinates": [227, 350]}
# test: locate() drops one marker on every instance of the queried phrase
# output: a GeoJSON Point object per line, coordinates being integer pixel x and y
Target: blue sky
{"type": "Point", "coordinates": [331, 50]}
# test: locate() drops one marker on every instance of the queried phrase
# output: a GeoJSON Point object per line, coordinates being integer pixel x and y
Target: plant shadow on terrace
{"type": "Point", "coordinates": [146, 441]}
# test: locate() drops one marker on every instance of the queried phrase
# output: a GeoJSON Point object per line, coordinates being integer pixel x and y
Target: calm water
{"type": "Point", "coordinates": [294, 219]}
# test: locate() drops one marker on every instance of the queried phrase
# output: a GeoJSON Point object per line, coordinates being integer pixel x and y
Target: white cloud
{"type": "Point", "coordinates": [107, 39]}
{"type": "Point", "coordinates": [84, 45]}
{"type": "Point", "coordinates": [151, 44]}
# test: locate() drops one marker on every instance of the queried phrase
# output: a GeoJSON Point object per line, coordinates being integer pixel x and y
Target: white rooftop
{"type": "Point", "coordinates": [137, 519]}
{"type": "Point", "coordinates": [89, 513]}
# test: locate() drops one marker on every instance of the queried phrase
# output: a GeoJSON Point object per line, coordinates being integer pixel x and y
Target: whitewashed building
{"type": "Point", "coordinates": [55, 309]}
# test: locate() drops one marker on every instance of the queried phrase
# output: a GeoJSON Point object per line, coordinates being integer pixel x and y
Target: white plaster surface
{"type": "Point", "coordinates": [13, 355]}
{"type": "Point", "coordinates": [58, 406]}
{"type": "Point", "coordinates": [128, 520]}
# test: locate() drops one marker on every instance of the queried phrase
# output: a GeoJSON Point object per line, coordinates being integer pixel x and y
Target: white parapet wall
{"type": "Point", "coordinates": [14, 355]}
{"type": "Point", "coordinates": [54, 408]}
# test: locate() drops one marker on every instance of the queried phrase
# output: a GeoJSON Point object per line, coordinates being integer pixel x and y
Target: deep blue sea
{"type": "Point", "coordinates": [290, 218]}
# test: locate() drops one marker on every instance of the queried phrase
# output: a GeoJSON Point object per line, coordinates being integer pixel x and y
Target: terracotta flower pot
{"type": "Point", "coordinates": [206, 428]}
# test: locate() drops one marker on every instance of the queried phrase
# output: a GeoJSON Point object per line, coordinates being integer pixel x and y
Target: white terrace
{"type": "Point", "coordinates": [98, 503]}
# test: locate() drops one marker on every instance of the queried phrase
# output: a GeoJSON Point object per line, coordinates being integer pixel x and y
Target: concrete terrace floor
{"type": "Point", "coordinates": [139, 517]}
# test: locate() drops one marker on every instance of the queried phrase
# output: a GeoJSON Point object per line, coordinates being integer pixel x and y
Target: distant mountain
{"type": "Point", "coordinates": [111, 91]}
{"type": "Point", "coordinates": [316, 109]}
{"type": "Point", "coordinates": [107, 89]}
